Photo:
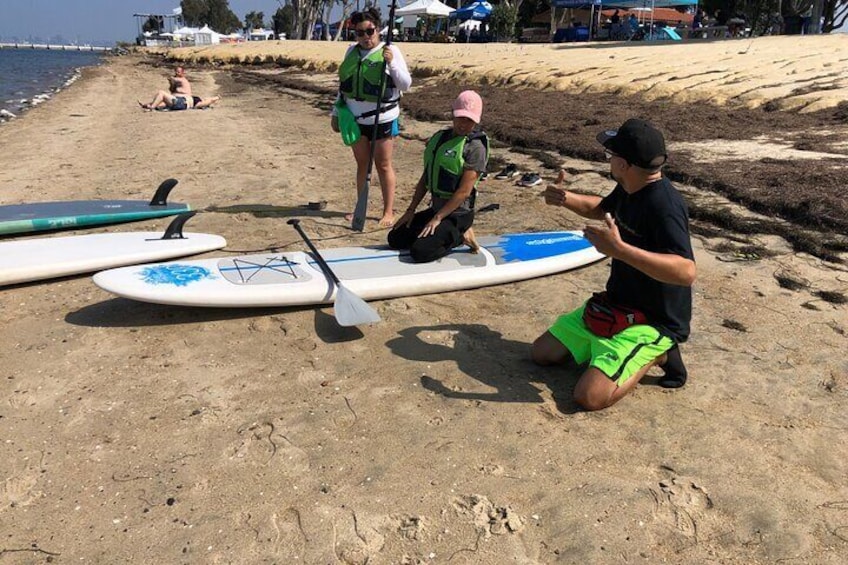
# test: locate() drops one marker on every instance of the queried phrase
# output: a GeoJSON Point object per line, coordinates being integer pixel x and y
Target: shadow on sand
{"type": "Point", "coordinates": [125, 313]}
{"type": "Point", "coordinates": [483, 354]}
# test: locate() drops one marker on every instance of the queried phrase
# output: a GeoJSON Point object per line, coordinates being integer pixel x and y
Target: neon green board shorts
{"type": "Point", "coordinates": [619, 357]}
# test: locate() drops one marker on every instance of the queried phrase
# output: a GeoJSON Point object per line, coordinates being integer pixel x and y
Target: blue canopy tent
{"type": "Point", "coordinates": [479, 10]}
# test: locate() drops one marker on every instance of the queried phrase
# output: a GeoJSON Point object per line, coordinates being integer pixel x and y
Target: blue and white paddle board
{"type": "Point", "coordinates": [27, 260]}
{"type": "Point", "coordinates": [47, 216]}
{"type": "Point", "coordinates": [294, 278]}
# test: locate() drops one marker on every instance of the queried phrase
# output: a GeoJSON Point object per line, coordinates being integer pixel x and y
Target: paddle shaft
{"type": "Point", "coordinates": [321, 263]}
{"type": "Point", "coordinates": [361, 210]}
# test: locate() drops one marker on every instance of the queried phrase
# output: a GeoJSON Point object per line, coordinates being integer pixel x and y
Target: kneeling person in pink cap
{"type": "Point", "coordinates": [454, 161]}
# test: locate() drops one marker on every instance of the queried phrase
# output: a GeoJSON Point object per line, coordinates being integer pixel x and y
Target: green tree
{"type": "Point", "coordinates": [503, 20]}
{"type": "Point", "coordinates": [281, 21]}
{"type": "Point", "coordinates": [194, 12]}
{"type": "Point", "coordinates": [214, 13]}
{"type": "Point", "coordinates": [254, 20]}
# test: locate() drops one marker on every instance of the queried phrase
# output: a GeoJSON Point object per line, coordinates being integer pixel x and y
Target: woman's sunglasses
{"type": "Point", "coordinates": [367, 31]}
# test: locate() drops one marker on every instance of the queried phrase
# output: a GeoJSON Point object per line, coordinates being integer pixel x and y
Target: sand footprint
{"type": "Point", "coordinates": [356, 540]}
{"type": "Point", "coordinates": [279, 533]}
{"type": "Point", "coordinates": [488, 519]}
{"type": "Point", "coordinates": [681, 501]}
{"type": "Point", "coordinates": [18, 490]}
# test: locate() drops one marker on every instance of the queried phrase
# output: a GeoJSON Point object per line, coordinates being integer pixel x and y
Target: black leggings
{"type": "Point", "coordinates": [425, 249]}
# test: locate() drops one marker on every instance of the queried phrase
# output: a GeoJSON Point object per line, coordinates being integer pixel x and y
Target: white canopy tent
{"type": "Point", "coordinates": [206, 36]}
{"type": "Point", "coordinates": [425, 8]}
{"type": "Point", "coordinates": [411, 12]}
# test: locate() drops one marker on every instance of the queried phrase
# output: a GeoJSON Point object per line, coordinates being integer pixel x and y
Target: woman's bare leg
{"type": "Point", "coordinates": [386, 171]}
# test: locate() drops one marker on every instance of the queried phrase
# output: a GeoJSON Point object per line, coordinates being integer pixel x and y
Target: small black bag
{"type": "Point", "coordinates": [605, 319]}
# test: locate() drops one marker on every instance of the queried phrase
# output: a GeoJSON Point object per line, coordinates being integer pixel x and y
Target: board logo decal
{"type": "Point", "coordinates": [530, 246]}
{"type": "Point", "coordinates": [174, 274]}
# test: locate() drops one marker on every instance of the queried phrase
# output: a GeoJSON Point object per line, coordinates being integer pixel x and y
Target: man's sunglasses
{"type": "Point", "coordinates": [368, 31]}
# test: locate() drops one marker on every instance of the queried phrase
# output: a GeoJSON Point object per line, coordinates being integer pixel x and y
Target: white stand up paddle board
{"type": "Point", "coordinates": [294, 278]}
{"type": "Point", "coordinates": [50, 257]}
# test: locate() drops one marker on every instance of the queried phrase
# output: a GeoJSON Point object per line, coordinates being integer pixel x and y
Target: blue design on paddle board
{"type": "Point", "coordinates": [529, 246]}
{"type": "Point", "coordinates": [175, 274]}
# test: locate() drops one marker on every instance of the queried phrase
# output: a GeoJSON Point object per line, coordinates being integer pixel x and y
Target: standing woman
{"type": "Point", "coordinates": [359, 85]}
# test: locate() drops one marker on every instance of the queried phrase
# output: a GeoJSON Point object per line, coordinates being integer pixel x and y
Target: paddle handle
{"type": "Point", "coordinates": [321, 263]}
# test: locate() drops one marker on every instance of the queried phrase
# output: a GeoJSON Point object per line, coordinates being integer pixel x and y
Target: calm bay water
{"type": "Point", "coordinates": [25, 73]}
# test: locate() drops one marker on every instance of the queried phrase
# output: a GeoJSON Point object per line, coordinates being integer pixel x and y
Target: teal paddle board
{"type": "Point", "coordinates": [48, 216]}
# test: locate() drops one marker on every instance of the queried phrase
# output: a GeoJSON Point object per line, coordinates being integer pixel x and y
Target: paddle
{"type": "Point", "coordinates": [358, 222]}
{"type": "Point", "coordinates": [350, 309]}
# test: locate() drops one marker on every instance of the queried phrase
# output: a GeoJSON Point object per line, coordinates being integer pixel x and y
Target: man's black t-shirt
{"type": "Point", "coordinates": [655, 219]}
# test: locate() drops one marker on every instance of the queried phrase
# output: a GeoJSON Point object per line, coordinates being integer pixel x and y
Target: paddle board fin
{"type": "Point", "coordinates": [161, 196]}
{"type": "Point", "coordinates": [175, 228]}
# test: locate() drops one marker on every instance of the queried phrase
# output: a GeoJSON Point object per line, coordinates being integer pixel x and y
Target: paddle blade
{"type": "Point", "coordinates": [358, 222]}
{"type": "Point", "coordinates": [352, 310]}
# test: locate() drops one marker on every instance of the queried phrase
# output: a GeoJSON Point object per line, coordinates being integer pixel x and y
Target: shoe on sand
{"type": "Point", "coordinates": [508, 172]}
{"type": "Point", "coordinates": [530, 179]}
{"type": "Point", "coordinates": [675, 370]}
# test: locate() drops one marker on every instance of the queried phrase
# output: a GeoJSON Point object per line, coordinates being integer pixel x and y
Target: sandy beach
{"type": "Point", "coordinates": [134, 432]}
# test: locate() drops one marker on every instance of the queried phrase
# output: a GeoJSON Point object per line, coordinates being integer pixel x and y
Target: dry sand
{"type": "Point", "coordinates": [151, 434]}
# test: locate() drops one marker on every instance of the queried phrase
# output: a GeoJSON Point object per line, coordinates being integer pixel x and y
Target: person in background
{"type": "Point", "coordinates": [454, 160]}
{"type": "Point", "coordinates": [178, 96]}
{"type": "Point", "coordinates": [633, 23]}
{"type": "Point", "coordinates": [359, 83]}
{"type": "Point", "coordinates": [647, 307]}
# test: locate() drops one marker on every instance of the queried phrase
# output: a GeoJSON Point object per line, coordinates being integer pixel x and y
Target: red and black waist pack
{"type": "Point", "coordinates": [605, 319]}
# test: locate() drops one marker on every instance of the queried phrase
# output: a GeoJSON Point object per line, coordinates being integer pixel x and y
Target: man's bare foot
{"type": "Point", "coordinates": [387, 221]}
{"type": "Point", "coordinates": [469, 240]}
{"type": "Point", "coordinates": [349, 217]}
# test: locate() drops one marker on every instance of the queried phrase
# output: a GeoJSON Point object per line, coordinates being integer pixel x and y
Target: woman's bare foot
{"type": "Point", "coordinates": [469, 240]}
{"type": "Point", "coordinates": [387, 221]}
{"type": "Point", "coordinates": [144, 106]}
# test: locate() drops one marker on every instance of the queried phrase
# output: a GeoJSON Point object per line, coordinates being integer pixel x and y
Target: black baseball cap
{"type": "Point", "coordinates": [638, 142]}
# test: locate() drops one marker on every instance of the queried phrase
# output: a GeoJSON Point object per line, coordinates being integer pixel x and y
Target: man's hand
{"type": "Point", "coordinates": [555, 196]}
{"type": "Point", "coordinates": [605, 237]}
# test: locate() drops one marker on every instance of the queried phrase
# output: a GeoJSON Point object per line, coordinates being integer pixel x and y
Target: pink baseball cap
{"type": "Point", "coordinates": [468, 105]}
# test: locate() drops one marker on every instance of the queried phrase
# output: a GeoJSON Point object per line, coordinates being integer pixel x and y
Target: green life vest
{"type": "Point", "coordinates": [443, 162]}
{"type": "Point", "coordinates": [359, 77]}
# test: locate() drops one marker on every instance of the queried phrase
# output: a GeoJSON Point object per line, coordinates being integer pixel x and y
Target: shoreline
{"type": "Point", "coordinates": [18, 107]}
{"type": "Point", "coordinates": [135, 432]}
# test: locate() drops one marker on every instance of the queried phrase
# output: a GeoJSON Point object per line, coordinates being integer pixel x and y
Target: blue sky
{"type": "Point", "coordinates": [87, 21]}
